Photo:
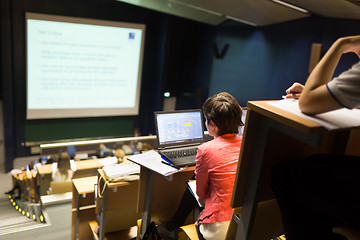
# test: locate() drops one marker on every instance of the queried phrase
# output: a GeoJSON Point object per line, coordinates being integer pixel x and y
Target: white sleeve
{"type": "Point", "coordinates": [53, 169]}
{"type": "Point", "coordinates": [72, 165]}
{"type": "Point", "coordinates": [346, 87]}
{"type": "Point", "coordinates": [54, 166]}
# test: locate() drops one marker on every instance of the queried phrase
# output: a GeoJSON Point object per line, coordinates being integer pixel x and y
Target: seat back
{"type": "Point", "coordinates": [60, 187]}
{"type": "Point", "coordinates": [263, 229]}
{"type": "Point", "coordinates": [190, 232]}
{"type": "Point", "coordinates": [121, 206]}
{"type": "Point", "coordinates": [267, 225]}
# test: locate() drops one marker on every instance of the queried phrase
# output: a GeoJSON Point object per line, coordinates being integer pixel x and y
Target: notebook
{"type": "Point", "coordinates": [192, 187]}
{"type": "Point", "coordinates": [179, 132]}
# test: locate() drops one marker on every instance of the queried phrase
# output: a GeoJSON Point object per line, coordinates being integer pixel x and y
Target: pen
{"type": "Point", "coordinates": [165, 159]}
{"type": "Point", "coordinates": [170, 164]}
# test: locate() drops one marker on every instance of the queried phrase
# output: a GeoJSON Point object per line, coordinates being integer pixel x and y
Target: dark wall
{"type": "Point", "coordinates": [40, 130]}
{"type": "Point", "coordinates": [159, 51]}
{"type": "Point", "coordinates": [260, 63]}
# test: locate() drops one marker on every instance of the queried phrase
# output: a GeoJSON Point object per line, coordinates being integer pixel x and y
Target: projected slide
{"type": "Point", "coordinates": [90, 69]}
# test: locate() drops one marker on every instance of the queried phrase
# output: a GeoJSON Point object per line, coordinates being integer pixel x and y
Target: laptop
{"type": "Point", "coordinates": [179, 133]}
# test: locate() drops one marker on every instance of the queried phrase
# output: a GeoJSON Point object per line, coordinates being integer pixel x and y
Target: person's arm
{"type": "Point", "coordinates": [71, 174]}
{"type": "Point", "coordinates": [315, 97]}
{"type": "Point", "coordinates": [202, 177]}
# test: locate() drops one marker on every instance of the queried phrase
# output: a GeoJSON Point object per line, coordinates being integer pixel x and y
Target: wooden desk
{"type": "Point", "coordinates": [272, 135]}
{"type": "Point", "coordinates": [160, 196]}
{"type": "Point", "coordinates": [83, 207]}
{"type": "Point", "coordinates": [84, 168]}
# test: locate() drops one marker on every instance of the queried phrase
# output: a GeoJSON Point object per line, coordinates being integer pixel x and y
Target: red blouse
{"type": "Point", "coordinates": [216, 164]}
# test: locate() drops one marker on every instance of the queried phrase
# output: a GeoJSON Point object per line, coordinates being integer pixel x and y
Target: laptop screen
{"type": "Point", "coordinates": [243, 119]}
{"type": "Point", "coordinates": [179, 127]}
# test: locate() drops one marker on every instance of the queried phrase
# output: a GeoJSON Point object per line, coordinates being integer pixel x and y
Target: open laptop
{"type": "Point", "coordinates": [178, 135]}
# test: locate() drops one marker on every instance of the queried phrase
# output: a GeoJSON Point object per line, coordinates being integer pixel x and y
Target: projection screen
{"type": "Point", "coordinates": [78, 67]}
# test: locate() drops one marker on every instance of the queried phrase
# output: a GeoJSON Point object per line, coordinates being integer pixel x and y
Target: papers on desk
{"type": "Point", "coordinates": [108, 161]}
{"type": "Point", "coordinates": [153, 161]}
{"type": "Point", "coordinates": [337, 119]}
{"type": "Point", "coordinates": [119, 171]}
{"type": "Point", "coordinates": [15, 171]}
{"type": "Point", "coordinates": [192, 187]}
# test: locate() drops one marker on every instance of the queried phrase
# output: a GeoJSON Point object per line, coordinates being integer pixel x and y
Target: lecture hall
{"type": "Point", "coordinates": [89, 93]}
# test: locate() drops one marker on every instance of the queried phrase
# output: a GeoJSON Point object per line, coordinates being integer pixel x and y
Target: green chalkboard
{"type": "Point", "coordinates": [59, 129]}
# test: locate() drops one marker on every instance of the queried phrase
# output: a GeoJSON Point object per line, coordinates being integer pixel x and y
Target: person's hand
{"type": "Point", "coordinates": [294, 91]}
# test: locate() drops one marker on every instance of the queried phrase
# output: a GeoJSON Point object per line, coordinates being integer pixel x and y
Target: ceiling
{"type": "Point", "coordinates": [252, 12]}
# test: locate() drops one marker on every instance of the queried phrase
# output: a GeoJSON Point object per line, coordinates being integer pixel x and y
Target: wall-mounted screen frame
{"type": "Point", "coordinates": [79, 67]}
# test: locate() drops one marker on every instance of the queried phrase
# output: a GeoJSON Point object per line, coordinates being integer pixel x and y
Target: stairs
{"type": "Point", "coordinates": [14, 217]}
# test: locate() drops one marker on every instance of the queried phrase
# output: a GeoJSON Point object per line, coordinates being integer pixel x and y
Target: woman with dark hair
{"type": "Point", "coordinates": [216, 164]}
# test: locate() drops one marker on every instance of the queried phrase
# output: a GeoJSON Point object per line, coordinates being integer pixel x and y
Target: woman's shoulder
{"type": "Point", "coordinates": [220, 141]}
{"type": "Point", "coordinates": [207, 144]}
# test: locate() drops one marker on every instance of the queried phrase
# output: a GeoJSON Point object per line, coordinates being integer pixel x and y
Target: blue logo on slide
{"type": "Point", "coordinates": [131, 35]}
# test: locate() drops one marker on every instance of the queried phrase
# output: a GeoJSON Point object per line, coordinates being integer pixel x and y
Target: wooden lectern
{"type": "Point", "coordinates": [272, 135]}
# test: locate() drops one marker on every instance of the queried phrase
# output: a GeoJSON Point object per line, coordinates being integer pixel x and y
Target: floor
{"type": "Point", "coordinates": [15, 226]}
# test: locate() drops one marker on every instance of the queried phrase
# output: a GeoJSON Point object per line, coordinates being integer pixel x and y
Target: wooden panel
{"type": "Point", "coordinates": [83, 188]}
{"type": "Point", "coordinates": [61, 187]}
{"type": "Point", "coordinates": [353, 143]}
{"type": "Point", "coordinates": [273, 135]}
{"type": "Point", "coordinates": [282, 147]}
{"type": "Point", "coordinates": [284, 117]}
{"type": "Point", "coordinates": [121, 207]}
{"type": "Point", "coordinates": [167, 195]}
{"type": "Point", "coordinates": [315, 55]}
{"type": "Point", "coordinates": [85, 185]}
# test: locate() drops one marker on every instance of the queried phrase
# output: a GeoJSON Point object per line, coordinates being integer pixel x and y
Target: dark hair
{"type": "Point", "coordinates": [224, 111]}
{"type": "Point", "coordinates": [64, 163]}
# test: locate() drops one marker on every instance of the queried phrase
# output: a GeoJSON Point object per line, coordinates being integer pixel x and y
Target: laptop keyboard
{"type": "Point", "coordinates": [182, 152]}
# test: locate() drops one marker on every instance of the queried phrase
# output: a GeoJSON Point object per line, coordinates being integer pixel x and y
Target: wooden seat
{"type": "Point", "coordinates": [138, 224]}
{"type": "Point", "coordinates": [349, 232]}
{"type": "Point", "coordinates": [125, 234]}
{"type": "Point", "coordinates": [182, 234]}
{"type": "Point", "coordinates": [263, 229]}
{"type": "Point", "coordinates": [94, 228]}
{"type": "Point", "coordinates": [60, 187]}
{"type": "Point", "coordinates": [190, 231]}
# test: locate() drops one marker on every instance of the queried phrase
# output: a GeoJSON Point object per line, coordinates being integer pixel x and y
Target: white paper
{"type": "Point", "coordinates": [108, 161]}
{"type": "Point", "coordinates": [120, 170]}
{"type": "Point", "coordinates": [153, 161]}
{"type": "Point", "coordinates": [192, 186]}
{"type": "Point", "coordinates": [15, 171]}
{"type": "Point", "coordinates": [337, 119]}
